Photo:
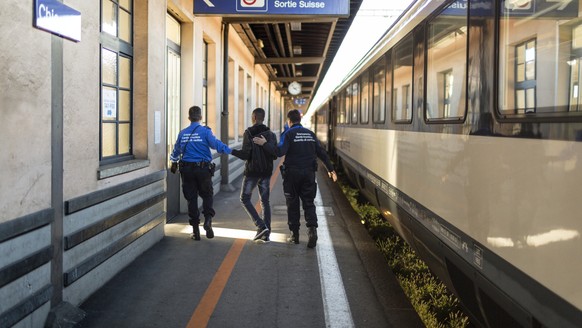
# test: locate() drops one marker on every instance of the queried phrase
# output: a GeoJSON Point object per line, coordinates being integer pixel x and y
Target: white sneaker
{"type": "Point", "coordinates": [261, 232]}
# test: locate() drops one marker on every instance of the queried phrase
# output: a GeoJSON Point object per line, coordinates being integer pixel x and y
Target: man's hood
{"type": "Point", "coordinates": [257, 129]}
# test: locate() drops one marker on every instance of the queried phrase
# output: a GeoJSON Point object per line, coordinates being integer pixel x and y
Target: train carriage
{"type": "Point", "coordinates": [463, 126]}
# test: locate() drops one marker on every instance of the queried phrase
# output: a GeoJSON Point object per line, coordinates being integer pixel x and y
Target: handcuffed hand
{"type": "Point", "coordinates": [259, 140]}
{"type": "Point", "coordinates": [332, 175]}
{"type": "Point", "coordinates": [174, 167]}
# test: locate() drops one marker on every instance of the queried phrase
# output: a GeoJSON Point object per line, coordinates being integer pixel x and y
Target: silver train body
{"type": "Point", "coordinates": [462, 126]}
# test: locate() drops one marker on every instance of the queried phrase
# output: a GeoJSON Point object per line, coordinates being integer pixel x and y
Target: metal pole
{"type": "Point", "coordinates": [57, 193]}
{"type": "Point", "coordinates": [224, 114]}
{"type": "Point", "coordinates": [269, 105]}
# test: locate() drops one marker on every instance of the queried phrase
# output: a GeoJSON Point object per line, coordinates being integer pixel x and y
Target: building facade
{"type": "Point", "coordinates": [86, 133]}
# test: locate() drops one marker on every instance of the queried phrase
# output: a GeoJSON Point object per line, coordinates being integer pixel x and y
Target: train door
{"type": "Point", "coordinates": [173, 109]}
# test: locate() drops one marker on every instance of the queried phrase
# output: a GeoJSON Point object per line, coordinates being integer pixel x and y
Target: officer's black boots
{"type": "Point", "coordinates": [208, 227]}
{"type": "Point", "coordinates": [312, 234]}
{"type": "Point", "coordinates": [293, 237]}
{"type": "Point", "coordinates": [196, 232]}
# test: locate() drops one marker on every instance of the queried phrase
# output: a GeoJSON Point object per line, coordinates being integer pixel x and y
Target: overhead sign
{"type": "Point", "coordinates": [55, 17]}
{"type": "Point", "coordinates": [299, 101]}
{"type": "Point", "coordinates": [515, 8]}
{"type": "Point", "coordinates": [547, 9]}
{"type": "Point", "coordinates": [271, 7]}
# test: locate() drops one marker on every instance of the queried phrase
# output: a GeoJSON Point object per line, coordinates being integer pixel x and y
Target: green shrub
{"type": "Point", "coordinates": [435, 305]}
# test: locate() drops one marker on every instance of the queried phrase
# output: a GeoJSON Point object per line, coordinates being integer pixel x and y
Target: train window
{"type": "Point", "coordinates": [532, 35]}
{"type": "Point", "coordinates": [446, 69]}
{"type": "Point", "coordinates": [355, 101]}
{"type": "Point", "coordinates": [405, 96]}
{"type": "Point", "coordinates": [348, 100]}
{"type": "Point", "coordinates": [419, 51]}
{"type": "Point", "coordinates": [379, 91]}
{"type": "Point", "coordinates": [389, 102]}
{"type": "Point", "coordinates": [402, 61]}
{"type": "Point", "coordinates": [364, 98]}
{"type": "Point", "coordinates": [342, 107]}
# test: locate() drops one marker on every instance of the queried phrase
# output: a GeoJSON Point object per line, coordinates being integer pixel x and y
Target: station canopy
{"type": "Point", "coordinates": [292, 47]}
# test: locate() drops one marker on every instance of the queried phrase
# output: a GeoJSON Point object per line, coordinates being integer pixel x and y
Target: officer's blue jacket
{"type": "Point", "coordinates": [194, 143]}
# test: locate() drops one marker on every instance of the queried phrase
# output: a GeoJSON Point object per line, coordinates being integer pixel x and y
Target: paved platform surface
{"type": "Point", "coordinates": [230, 281]}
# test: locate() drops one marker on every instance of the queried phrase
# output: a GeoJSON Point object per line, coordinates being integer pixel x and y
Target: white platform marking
{"type": "Point", "coordinates": [335, 302]}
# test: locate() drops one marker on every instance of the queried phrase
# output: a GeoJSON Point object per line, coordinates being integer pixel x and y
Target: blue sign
{"type": "Point", "coordinates": [55, 17]}
{"type": "Point", "coordinates": [271, 7]}
{"type": "Point", "coordinates": [479, 8]}
{"type": "Point", "coordinates": [300, 101]}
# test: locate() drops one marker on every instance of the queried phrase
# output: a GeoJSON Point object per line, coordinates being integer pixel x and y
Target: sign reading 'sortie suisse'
{"type": "Point", "coordinates": [271, 7]}
{"type": "Point", "coordinates": [57, 18]}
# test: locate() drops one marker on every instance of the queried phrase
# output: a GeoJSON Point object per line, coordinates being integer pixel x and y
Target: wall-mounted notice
{"type": "Point", "coordinates": [157, 127]}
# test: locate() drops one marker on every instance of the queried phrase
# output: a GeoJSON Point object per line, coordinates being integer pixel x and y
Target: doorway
{"type": "Point", "coordinates": [173, 110]}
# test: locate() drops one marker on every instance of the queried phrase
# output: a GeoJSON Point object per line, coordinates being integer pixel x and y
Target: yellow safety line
{"type": "Point", "coordinates": [207, 304]}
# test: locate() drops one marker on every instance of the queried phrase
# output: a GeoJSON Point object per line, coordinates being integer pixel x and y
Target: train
{"type": "Point", "coordinates": [463, 126]}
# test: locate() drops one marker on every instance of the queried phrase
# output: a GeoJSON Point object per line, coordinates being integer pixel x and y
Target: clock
{"type": "Point", "coordinates": [294, 88]}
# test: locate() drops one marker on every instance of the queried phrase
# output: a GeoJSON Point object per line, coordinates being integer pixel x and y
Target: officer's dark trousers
{"type": "Point", "coordinates": [299, 184]}
{"type": "Point", "coordinates": [196, 181]}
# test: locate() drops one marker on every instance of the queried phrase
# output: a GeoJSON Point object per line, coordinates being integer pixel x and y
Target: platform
{"type": "Point", "coordinates": [230, 281]}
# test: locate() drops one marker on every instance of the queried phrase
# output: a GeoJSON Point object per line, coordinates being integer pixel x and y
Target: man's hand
{"type": "Point", "coordinates": [260, 140]}
{"type": "Point", "coordinates": [332, 175]}
{"type": "Point", "coordinates": [174, 167]}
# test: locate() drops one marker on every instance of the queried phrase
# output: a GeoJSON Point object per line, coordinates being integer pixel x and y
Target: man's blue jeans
{"type": "Point", "coordinates": [248, 185]}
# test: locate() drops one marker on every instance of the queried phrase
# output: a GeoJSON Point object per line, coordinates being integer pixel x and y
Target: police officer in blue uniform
{"type": "Point", "coordinates": [192, 153]}
{"type": "Point", "coordinates": [302, 149]}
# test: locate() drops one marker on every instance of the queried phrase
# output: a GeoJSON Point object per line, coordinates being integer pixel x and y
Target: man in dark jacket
{"type": "Point", "coordinates": [258, 170]}
{"type": "Point", "coordinates": [302, 149]}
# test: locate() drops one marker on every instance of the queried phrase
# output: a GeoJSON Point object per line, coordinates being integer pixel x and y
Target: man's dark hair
{"type": "Point", "coordinates": [195, 113]}
{"type": "Point", "coordinates": [259, 114]}
{"type": "Point", "coordinates": [294, 116]}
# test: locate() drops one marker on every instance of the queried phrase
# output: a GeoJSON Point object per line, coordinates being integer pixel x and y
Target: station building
{"type": "Point", "coordinates": [86, 131]}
